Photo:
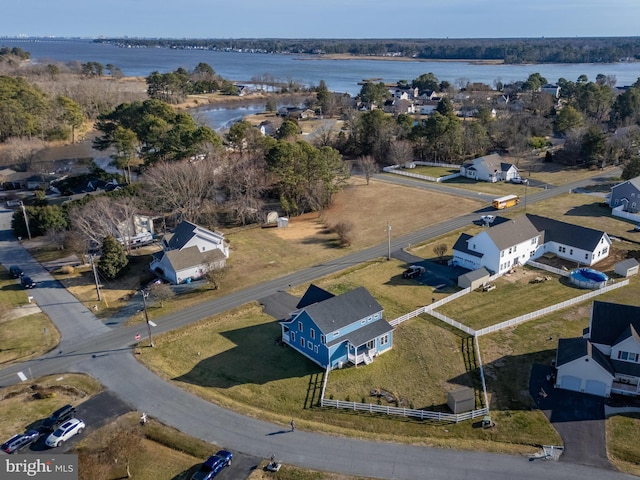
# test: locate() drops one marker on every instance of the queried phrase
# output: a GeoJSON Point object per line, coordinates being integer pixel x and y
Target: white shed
{"type": "Point", "coordinates": [627, 267]}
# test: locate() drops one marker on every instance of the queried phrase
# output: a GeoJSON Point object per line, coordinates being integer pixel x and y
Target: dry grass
{"type": "Point", "coordinates": [624, 454]}
{"type": "Point", "coordinates": [20, 409]}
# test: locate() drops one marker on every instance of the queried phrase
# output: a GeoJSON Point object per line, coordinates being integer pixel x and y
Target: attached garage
{"type": "Point", "coordinates": [595, 387]}
{"type": "Point", "coordinates": [569, 382]}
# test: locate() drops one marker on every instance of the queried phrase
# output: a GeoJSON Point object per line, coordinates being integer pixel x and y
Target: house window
{"type": "Point", "coordinates": [309, 345]}
{"type": "Point", "coordinates": [363, 321]}
{"type": "Point", "coordinates": [633, 205]}
{"type": "Point", "coordinates": [299, 326]}
{"type": "Point", "coordinates": [586, 256]}
{"type": "Point", "coordinates": [371, 344]}
{"type": "Point", "coordinates": [605, 250]}
{"type": "Point", "coordinates": [502, 254]}
{"type": "Point", "coordinates": [315, 349]}
{"type": "Point", "coordinates": [336, 333]}
{"type": "Point", "coordinates": [628, 356]}
{"type": "Point", "coordinates": [533, 241]}
{"type": "Point", "coordinates": [571, 251]}
{"type": "Point", "coordinates": [323, 339]}
{"type": "Point", "coordinates": [384, 339]}
{"type": "Point", "coordinates": [312, 333]}
{"type": "Point", "coordinates": [302, 342]}
{"type": "Point", "coordinates": [293, 337]}
{"type": "Point", "coordinates": [509, 249]}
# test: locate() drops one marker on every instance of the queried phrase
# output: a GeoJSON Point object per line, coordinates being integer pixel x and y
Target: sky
{"type": "Point", "coordinates": [321, 18]}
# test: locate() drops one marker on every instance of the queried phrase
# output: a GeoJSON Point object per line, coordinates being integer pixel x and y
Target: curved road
{"type": "Point", "coordinates": [91, 347]}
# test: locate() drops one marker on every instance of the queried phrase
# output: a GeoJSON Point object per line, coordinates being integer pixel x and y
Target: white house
{"type": "Point", "coordinates": [511, 242]}
{"type": "Point", "coordinates": [188, 253]}
{"type": "Point", "coordinates": [606, 359]}
{"type": "Point", "coordinates": [490, 168]}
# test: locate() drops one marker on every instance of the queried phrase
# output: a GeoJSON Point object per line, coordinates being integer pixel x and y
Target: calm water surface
{"type": "Point", "coordinates": [339, 75]}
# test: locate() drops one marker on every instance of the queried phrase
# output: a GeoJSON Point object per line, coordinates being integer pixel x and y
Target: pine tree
{"type": "Point", "coordinates": [113, 258]}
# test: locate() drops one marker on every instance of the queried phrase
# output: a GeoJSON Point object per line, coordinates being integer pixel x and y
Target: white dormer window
{"type": "Point", "coordinates": [300, 326]}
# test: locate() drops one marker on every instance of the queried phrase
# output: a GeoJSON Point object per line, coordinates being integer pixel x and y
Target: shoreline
{"type": "Point", "coordinates": [348, 56]}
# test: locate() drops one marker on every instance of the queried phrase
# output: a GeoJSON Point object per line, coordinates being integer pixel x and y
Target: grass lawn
{"type": "Point", "coordinates": [21, 337]}
{"type": "Point", "coordinates": [624, 454]}
{"type": "Point", "coordinates": [435, 172]}
{"type": "Point", "coordinates": [26, 337]}
{"type": "Point", "coordinates": [513, 296]}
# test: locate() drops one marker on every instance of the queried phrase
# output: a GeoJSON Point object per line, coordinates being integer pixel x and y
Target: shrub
{"type": "Point", "coordinates": [66, 270]}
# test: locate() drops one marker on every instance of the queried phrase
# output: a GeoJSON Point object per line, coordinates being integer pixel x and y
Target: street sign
{"type": "Point", "coordinates": [138, 337]}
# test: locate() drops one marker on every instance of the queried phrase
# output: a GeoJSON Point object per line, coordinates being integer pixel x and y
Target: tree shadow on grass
{"type": "Point", "coordinates": [257, 357]}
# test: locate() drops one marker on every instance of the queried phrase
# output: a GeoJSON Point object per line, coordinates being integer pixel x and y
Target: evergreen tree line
{"type": "Point", "coordinates": [510, 50]}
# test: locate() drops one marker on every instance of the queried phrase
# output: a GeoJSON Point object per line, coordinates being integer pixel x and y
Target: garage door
{"type": "Point", "coordinates": [595, 387]}
{"type": "Point", "coordinates": [569, 382]}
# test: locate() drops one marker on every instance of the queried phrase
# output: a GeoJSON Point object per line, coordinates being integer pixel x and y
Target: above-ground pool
{"type": "Point", "coordinates": [588, 278]}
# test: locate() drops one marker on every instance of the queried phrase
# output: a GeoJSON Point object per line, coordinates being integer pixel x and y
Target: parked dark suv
{"type": "Point", "coordinates": [27, 282]}
{"type": "Point", "coordinates": [58, 417]}
{"type": "Point", "coordinates": [15, 271]}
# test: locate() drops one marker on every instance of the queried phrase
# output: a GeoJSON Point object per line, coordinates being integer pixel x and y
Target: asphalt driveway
{"type": "Point", "coordinates": [578, 418]}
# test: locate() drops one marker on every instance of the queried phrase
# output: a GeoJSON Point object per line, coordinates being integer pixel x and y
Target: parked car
{"type": "Point", "coordinates": [637, 228]}
{"type": "Point", "coordinates": [59, 417]}
{"type": "Point", "coordinates": [519, 180]}
{"type": "Point", "coordinates": [15, 271]}
{"type": "Point", "coordinates": [64, 432]}
{"type": "Point", "coordinates": [20, 441]}
{"type": "Point", "coordinates": [213, 465]}
{"type": "Point", "coordinates": [413, 271]}
{"type": "Point", "coordinates": [27, 282]}
{"type": "Point", "coordinates": [487, 218]}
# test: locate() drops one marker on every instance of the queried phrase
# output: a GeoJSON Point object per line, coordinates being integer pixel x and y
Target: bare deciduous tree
{"type": "Point", "coordinates": [21, 152]}
{"type": "Point", "coordinates": [215, 275]}
{"type": "Point", "coordinates": [244, 182]}
{"type": "Point", "coordinates": [440, 250]}
{"type": "Point", "coordinates": [104, 216]}
{"type": "Point", "coordinates": [344, 230]}
{"type": "Point", "coordinates": [368, 166]}
{"type": "Point", "coordinates": [161, 292]}
{"type": "Point", "coordinates": [400, 152]}
{"type": "Point", "coordinates": [183, 188]}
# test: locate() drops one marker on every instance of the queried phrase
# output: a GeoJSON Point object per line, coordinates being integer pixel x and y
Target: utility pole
{"type": "Point", "coordinates": [526, 188]}
{"type": "Point", "coordinates": [145, 294]}
{"type": "Point", "coordinates": [95, 276]}
{"type": "Point", "coordinates": [26, 220]}
{"type": "Point", "coordinates": [388, 240]}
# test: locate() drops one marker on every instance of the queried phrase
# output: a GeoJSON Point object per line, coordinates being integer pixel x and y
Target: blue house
{"type": "Point", "coordinates": [333, 330]}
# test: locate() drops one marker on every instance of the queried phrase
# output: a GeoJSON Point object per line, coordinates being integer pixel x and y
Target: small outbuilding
{"type": "Point", "coordinates": [627, 267]}
{"type": "Point", "coordinates": [462, 400]}
{"type": "Point", "coordinates": [474, 279]}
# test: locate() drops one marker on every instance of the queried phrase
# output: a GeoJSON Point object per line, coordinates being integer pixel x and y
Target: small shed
{"type": "Point", "coordinates": [283, 222]}
{"type": "Point", "coordinates": [474, 279]}
{"type": "Point", "coordinates": [627, 267]}
{"type": "Point", "coordinates": [462, 400]}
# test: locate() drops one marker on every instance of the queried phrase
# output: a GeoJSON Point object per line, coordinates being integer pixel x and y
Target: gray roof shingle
{"type": "Point", "coordinates": [342, 310]}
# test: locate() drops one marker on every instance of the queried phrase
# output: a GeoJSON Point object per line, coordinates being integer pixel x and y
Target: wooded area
{"type": "Point", "coordinates": [509, 50]}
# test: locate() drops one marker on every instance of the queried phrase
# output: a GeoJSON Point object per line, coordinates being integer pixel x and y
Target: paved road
{"type": "Point", "coordinates": [91, 347]}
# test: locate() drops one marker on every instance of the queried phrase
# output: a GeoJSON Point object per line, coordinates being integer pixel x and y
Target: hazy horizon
{"type": "Point", "coordinates": [332, 19]}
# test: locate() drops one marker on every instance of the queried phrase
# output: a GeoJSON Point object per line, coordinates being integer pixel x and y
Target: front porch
{"type": "Point", "coordinates": [362, 354]}
{"type": "Point", "coordinates": [625, 388]}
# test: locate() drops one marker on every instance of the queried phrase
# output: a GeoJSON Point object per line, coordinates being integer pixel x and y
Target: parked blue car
{"type": "Point", "coordinates": [214, 465]}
